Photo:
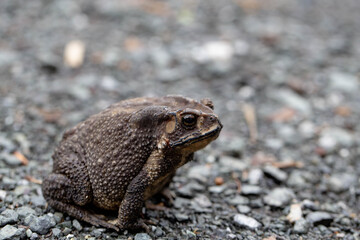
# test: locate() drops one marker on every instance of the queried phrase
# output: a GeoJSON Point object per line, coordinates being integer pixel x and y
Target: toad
{"type": "Point", "coordinates": [120, 157]}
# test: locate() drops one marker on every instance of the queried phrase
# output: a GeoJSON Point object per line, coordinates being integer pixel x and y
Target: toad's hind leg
{"type": "Point", "coordinates": [59, 192]}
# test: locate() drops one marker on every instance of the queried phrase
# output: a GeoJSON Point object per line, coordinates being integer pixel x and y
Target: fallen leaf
{"type": "Point", "coordinates": [288, 164]}
{"type": "Point", "coordinates": [270, 238]}
{"type": "Point", "coordinates": [261, 158]}
{"type": "Point", "coordinates": [132, 44]}
{"type": "Point", "coordinates": [21, 157]}
{"type": "Point", "coordinates": [343, 111]}
{"type": "Point", "coordinates": [250, 118]}
{"type": "Point", "coordinates": [51, 116]}
{"type": "Point", "coordinates": [283, 115]}
{"type": "Point", "coordinates": [74, 53]}
{"type": "Point", "coordinates": [33, 180]}
{"type": "Point", "coordinates": [295, 213]}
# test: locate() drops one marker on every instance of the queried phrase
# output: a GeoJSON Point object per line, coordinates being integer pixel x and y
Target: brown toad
{"type": "Point", "coordinates": [120, 157]}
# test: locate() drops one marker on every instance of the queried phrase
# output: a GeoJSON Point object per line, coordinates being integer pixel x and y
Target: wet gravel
{"type": "Point", "coordinates": [284, 78]}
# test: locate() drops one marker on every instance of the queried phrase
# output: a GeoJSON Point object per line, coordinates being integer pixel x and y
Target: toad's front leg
{"type": "Point", "coordinates": [154, 172]}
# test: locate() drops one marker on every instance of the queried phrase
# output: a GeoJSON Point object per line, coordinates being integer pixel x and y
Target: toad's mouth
{"type": "Point", "coordinates": [197, 137]}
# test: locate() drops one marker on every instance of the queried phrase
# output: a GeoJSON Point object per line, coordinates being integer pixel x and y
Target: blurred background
{"type": "Point", "coordinates": [283, 75]}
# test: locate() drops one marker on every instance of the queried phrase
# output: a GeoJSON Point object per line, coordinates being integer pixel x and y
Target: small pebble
{"type": "Point", "coordinates": [255, 176]}
{"type": "Point", "coordinates": [230, 164]}
{"type": "Point", "coordinates": [66, 231]}
{"type": "Point", "coordinates": [317, 218]}
{"type": "Point", "coordinates": [40, 224]}
{"type": "Point", "coordinates": [8, 216]}
{"type": "Point", "coordinates": [77, 225]}
{"type": "Point", "coordinates": [97, 232]}
{"type": "Point", "coordinates": [243, 209]}
{"type": "Point", "coordinates": [28, 232]}
{"type": "Point", "coordinates": [275, 173]}
{"type": "Point", "coordinates": [2, 195]}
{"type": "Point", "coordinates": [25, 211]}
{"type": "Point", "coordinates": [9, 232]}
{"type": "Point", "coordinates": [250, 190]}
{"type": "Point", "coordinates": [56, 232]}
{"type": "Point", "coordinates": [340, 182]}
{"type": "Point", "coordinates": [301, 226]}
{"type": "Point", "coordinates": [279, 197]}
{"type": "Point", "coordinates": [344, 82]}
{"type": "Point", "coordinates": [199, 172]}
{"type": "Point", "coordinates": [247, 222]}
{"type": "Point", "coordinates": [219, 181]}
{"type": "Point", "coordinates": [238, 200]}
{"type": "Point", "coordinates": [142, 236]}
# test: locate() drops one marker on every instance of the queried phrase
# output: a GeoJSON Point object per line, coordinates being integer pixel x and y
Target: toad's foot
{"type": "Point", "coordinates": [81, 214]}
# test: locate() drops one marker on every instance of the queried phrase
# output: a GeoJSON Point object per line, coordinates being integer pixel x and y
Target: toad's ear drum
{"type": "Point", "coordinates": [207, 102]}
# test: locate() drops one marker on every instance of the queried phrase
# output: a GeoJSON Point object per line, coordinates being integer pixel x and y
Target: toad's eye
{"type": "Point", "coordinates": [189, 120]}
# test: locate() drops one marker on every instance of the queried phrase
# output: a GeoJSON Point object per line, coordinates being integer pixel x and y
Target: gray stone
{"type": "Point", "coordinates": [255, 176]}
{"type": "Point", "coordinates": [66, 231]}
{"type": "Point", "coordinates": [159, 232]}
{"type": "Point", "coordinates": [307, 130]}
{"type": "Point", "coordinates": [58, 216]}
{"type": "Point", "coordinates": [274, 143]}
{"type": "Point", "coordinates": [279, 197]}
{"type": "Point", "coordinates": [41, 224]}
{"type": "Point", "coordinates": [25, 211]}
{"type": "Point", "coordinates": [7, 145]}
{"type": "Point", "coordinates": [98, 232]}
{"type": "Point", "coordinates": [238, 200]}
{"type": "Point", "coordinates": [344, 82]}
{"type": "Point", "coordinates": [170, 75]}
{"type": "Point", "coordinates": [243, 209]}
{"type": "Point", "coordinates": [22, 190]}
{"type": "Point", "coordinates": [275, 173]}
{"type": "Point", "coordinates": [2, 195]}
{"type": "Point", "coordinates": [34, 236]}
{"type": "Point", "coordinates": [160, 57]}
{"type": "Point", "coordinates": [340, 182]}
{"type": "Point", "coordinates": [28, 232]}
{"type": "Point", "coordinates": [296, 179]}
{"type": "Point", "coordinates": [10, 159]}
{"type": "Point", "coordinates": [202, 200]}
{"type": "Point", "coordinates": [234, 147]}
{"type": "Point", "coordinates": [7, 58]}
{"type": "Point", "coordinates": [301, 226]}
{"type": "Point", "coordinates": [200, 172]}
{"type": "Point", "coordinates": [293, 100]}
{"type": "Point", "coordinates": [56, 232]}
{"type": "Point", "coordinates": [38, 201]}
{"type": "Point", "coordinates": [8, 216]}
{"type": "Point", "coordinates": [217, 189]}
{"type": "Point", "coordinates": [332, 138]}
{"type": "Point", "coordinates": [317, 218]}
{"type": "Point", "coordinates": [109, 83]}
{"type": "Point", "coordinates": [215, 51]}
{"type": "Point", "coordinates": [250, 190]}
{"type": "Point", "coordinates": [9, 232]}
{"type": "Point", "coordinates": [232, 164]}
{"type": "Point", "coordinates": [77, 225]}
{"type": "Point", "coordinates": [142, 236]}
{"type": "Point", "coordinates": [181, 217]}
{"type": "Point", "coordinates": [247, 222]}
{"type": "Point", "coordinates": [188, 189]}
{"type": "Point", "coordinates": [307, 204]}
{"type": "Point", "coordinates": [288, 135]}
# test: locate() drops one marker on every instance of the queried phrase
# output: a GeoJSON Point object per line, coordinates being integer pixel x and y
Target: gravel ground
{"type": "Point", "coordinates": [284, 77]}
